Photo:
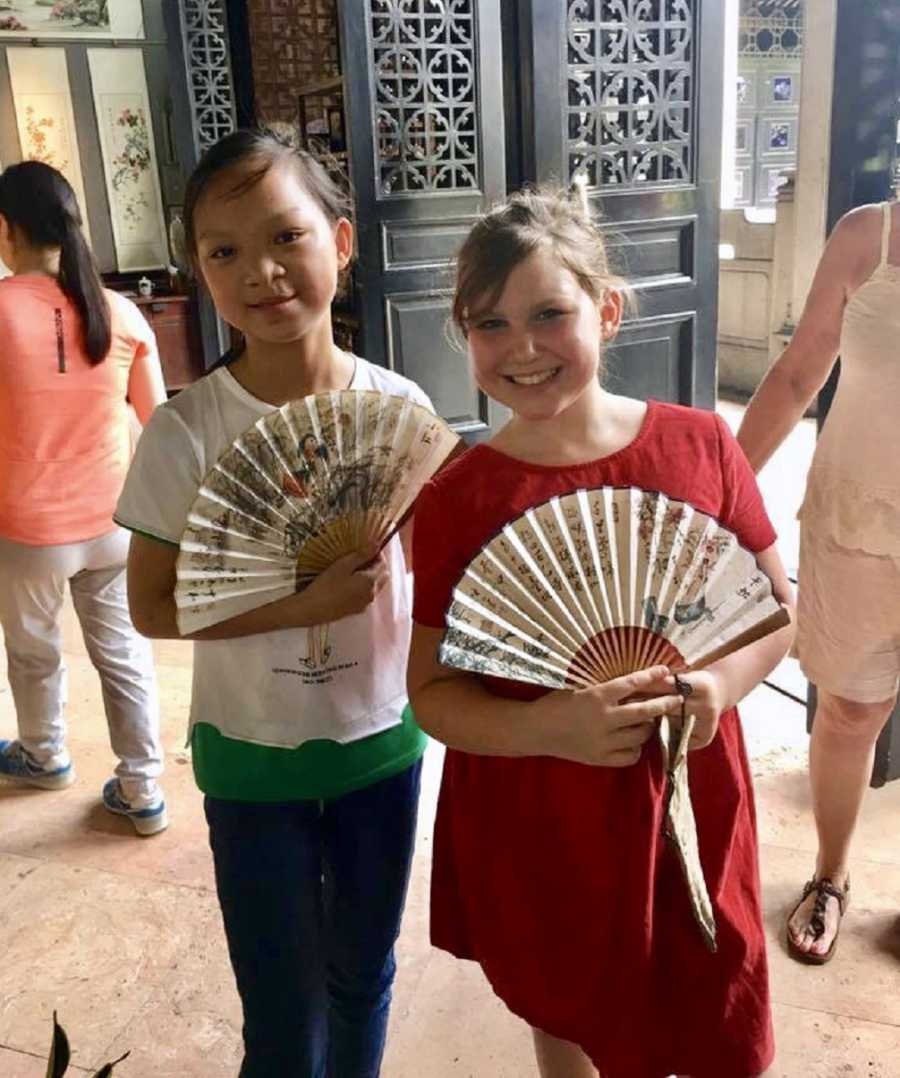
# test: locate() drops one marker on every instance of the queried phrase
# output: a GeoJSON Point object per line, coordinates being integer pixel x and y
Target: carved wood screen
{"type": "Point", "coordinates": [630, 83]}
{"type": "Point", "coordinates": [424, 65]}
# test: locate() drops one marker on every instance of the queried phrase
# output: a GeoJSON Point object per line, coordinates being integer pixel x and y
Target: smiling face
{"type": "Point", "coordinates": [537, 349]}
{"type": "Point", "coordinates": [268, 254]}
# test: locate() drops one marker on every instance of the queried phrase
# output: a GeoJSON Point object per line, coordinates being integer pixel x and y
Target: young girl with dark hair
{"type": "Point", "coordinates": [307, 752]}
{"type": "Point", "coordinates": [550, 867]}
{"type": "Point", "coordinates": [72, 352]}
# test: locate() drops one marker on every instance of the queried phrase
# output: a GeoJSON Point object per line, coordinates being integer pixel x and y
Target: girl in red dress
{"type": "Point", "coordinates": [549, 865]}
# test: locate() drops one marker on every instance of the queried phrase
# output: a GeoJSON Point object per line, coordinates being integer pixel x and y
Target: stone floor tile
{"type": "Point", "coordinates": [190, 1026]}
{"type": "Point", "coordinates": [457, 1028]}
{"type": "Point", "coordinates": [92, 946]}
{"type": "Point", "coordinates": [816, 1044]}
{"type": "Point", "coordinates": [862, 981]}
{"type": "Point", "coordinates": [785, 816]}
{"type": "Point", "coordinates": [72, 826]}
{"type": "Point", "coordinates": [23, 1065]}
{"type": "Point", "coordinates": [13, 872]}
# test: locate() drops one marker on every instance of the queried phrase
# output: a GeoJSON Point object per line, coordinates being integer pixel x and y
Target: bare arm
{"type": "Point", "coordinates": [590, 726]}
{"type": "Point", "coordinates": [145, 384]}
{"type": "Point", "coordinates": [801, 370]}
{"type": "Point", "coordinates": [342, 590]}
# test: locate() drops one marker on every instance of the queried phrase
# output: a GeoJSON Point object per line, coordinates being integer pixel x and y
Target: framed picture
{"type": "Point", "coordinates": [128, 150]}
{"type": "Point", "coordinates": [39, 79]}
{"type": "Point", "coordinates": [742, 137]}
{"type": "Point", "coordinates": [782, 89]}
{"type": "Point", "coordinates": [28, 19]}
{"type": "Point", "coordinates": [779, 136]}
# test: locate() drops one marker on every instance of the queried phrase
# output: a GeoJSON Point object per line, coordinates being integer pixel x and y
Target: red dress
{"type": "Point", "coordinates": [553, 875]}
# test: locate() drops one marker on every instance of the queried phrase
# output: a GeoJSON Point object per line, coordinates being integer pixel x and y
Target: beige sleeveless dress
{"type": "Point", "coordinates": [848, 639]}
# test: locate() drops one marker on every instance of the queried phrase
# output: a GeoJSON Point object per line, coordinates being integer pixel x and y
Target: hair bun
{"type": "Point", "coordinates": [578, 193]}
{"type": "Point", "coordinates": [284, 132]}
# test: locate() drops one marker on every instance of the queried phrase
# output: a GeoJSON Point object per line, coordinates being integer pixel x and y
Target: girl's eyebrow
{"type": "Point", "coordinates": [552, 300]}
{"type": "Point", "coordinates": [224, 233]}
{"type": "Point", "coordinates": [480, 314]}
{"type": "Point", "coordinates": [211, 234]}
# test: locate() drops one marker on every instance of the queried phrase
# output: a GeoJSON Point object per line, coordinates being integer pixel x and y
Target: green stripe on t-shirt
{"type": "Point", "coordinates": [317, 770]}
{"type": "Point", "coordinates": [145, 534]}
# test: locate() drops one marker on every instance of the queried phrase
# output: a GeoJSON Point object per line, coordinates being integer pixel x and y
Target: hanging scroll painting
{"type": "Point", "coordinates": [29, 19]}
{"type": "Point", "coordinates": [129, 157]}
{"type": "Point", "coordinates": [39, 79]}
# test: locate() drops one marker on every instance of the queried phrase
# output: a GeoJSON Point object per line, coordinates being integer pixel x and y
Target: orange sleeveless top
{"type": "Point", "coordinates": [64, 443]}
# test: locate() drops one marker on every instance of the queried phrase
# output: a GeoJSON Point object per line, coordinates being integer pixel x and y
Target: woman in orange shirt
{"type": "Point", "coordinates": [72, 352]}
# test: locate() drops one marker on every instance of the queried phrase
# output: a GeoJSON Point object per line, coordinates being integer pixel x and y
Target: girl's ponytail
{"type": "Point", "coordinates": [80, 280]}
{"type": "Point", "coordinates": [39, 202]}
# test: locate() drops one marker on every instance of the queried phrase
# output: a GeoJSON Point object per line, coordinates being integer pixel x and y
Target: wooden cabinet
{"type": "Point", "coordinates": [174, 321]}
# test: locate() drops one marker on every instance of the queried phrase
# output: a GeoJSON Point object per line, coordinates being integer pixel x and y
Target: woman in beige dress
{"type": "Point", "coordinates": [848, 638]}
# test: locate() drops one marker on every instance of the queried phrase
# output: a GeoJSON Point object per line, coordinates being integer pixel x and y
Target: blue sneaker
{"type": "Point", "coordinates": [18, 765]}
{"type": "Point", "coordinates": [147, 821]}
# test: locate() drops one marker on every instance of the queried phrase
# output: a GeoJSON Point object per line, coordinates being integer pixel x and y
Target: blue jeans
{"type": "Point", "coordinates": [311, 894]}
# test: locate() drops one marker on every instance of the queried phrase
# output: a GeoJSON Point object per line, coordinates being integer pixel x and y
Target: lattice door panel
{"type": "Point", "coordinates": [426, 116]}
{"type": "Point", "coordinates": [630, 105]}
{"type": "Point", "coordinates": [205, 40]}
{"type": "Point", "coordinates": [630, 99]}
{"type": "Point", "coordinates": [424, 92]}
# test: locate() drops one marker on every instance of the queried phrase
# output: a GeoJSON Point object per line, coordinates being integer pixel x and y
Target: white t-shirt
{"type": "Point", "coordinates": [344, 681]}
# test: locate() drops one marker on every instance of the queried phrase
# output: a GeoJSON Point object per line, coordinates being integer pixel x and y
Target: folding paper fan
{"type": "Point", "coordinates": [317, 479]}
{"type": "Point", "coordinates": [603, 582]}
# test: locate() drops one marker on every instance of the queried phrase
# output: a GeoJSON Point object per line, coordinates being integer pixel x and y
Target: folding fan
{"type": "Point", "coordinates": [603, 582]}
{"type": "Point", "coordinates": [317, 479]}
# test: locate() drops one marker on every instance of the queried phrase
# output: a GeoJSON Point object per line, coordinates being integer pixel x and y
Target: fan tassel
{"type": "Point", "coordinates": [679, 826]}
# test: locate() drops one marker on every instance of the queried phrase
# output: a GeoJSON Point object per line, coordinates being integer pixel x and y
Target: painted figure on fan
{"type": "Point", "coordinates": [315, 458]}
{"type": "Point", "coordinates": [550, 868]}
{"type": "Point", "coordinates": [311, 781]}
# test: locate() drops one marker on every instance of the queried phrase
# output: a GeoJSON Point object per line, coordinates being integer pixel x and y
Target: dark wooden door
{"type": "Point", "coordinates": [425, 112]}
{"type": "Point", "coordinates": [626, 95]}
{"type": "Point", "coordinates": [452, 104]}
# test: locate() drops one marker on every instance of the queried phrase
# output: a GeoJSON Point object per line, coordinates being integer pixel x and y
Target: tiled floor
{"type": "Point", "coordinates": [122, 935]}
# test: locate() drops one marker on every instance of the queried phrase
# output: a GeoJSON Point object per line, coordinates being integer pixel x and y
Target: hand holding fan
{"type": "Point", "coordinates": [315, 480]}
{"type": "Point", "coordinates": [604, 582]}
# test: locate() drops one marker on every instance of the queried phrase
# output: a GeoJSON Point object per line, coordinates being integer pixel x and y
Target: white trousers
{"type": "Point", "coordinates": [32, 590]}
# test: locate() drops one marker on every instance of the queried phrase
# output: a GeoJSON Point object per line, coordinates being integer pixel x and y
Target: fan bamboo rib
{"type": "Point", "coordinates": [601, 583]}
{"type": "Point", "coordinates": [317, 479]}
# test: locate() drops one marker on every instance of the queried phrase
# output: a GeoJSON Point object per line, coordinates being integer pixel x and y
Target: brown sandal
{"type": "Point", "coordinates": [824, 889]}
